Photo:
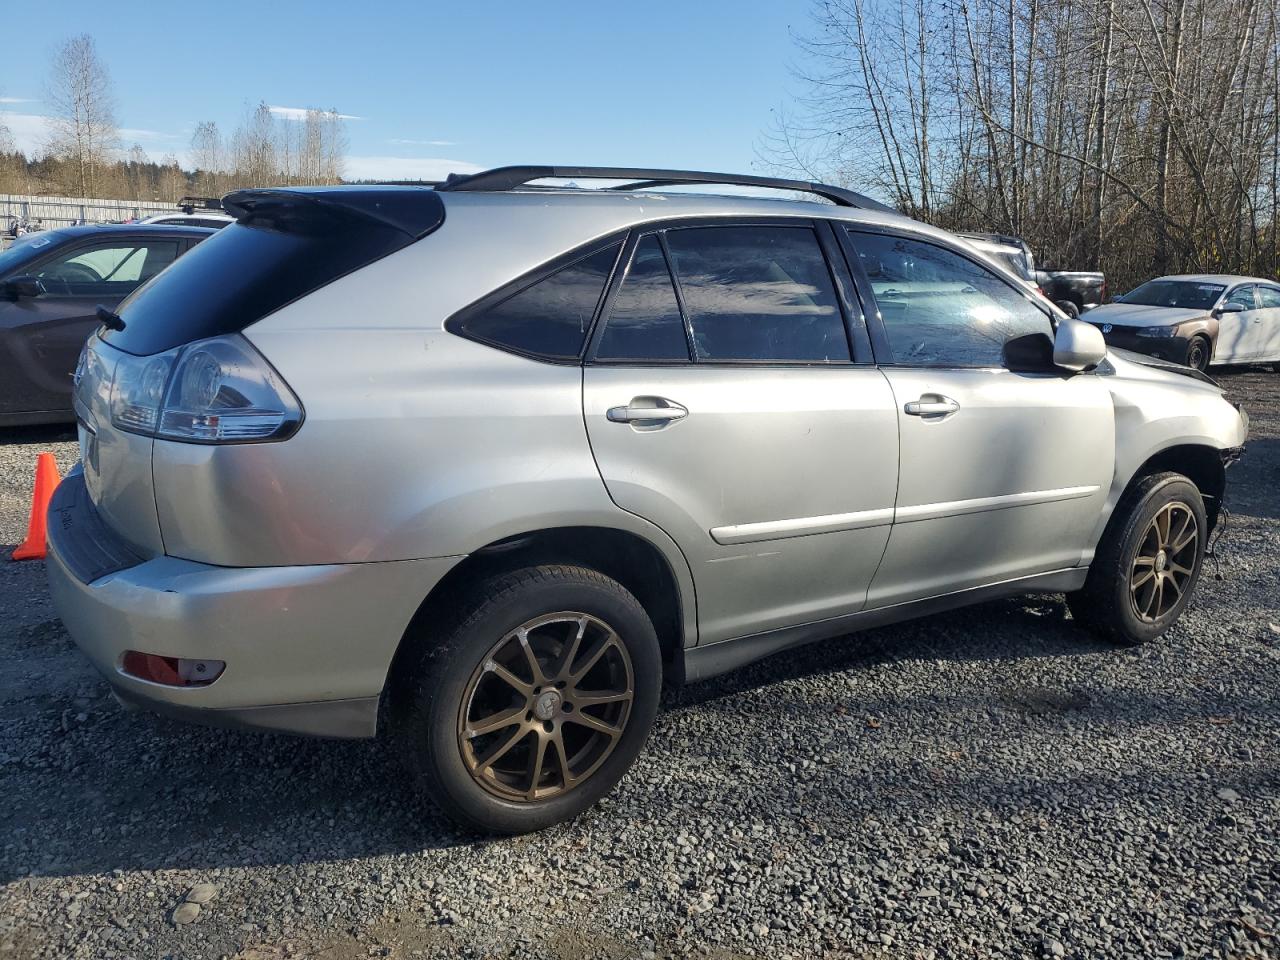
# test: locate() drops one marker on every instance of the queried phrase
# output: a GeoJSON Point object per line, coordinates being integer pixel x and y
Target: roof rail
{"type": "Point", "coordinates": [508, 178]}
{"type": "Point", "coordinates": [190, 204]}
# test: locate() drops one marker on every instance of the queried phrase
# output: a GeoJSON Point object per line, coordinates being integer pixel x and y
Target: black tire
{"type": "Point", "coordinates": [427, 711]}
{"type": "Point", "coordinates": [1199, 351]}
{"type": "Point", "coordinates": [1069, 308]}
{"type": "Point", "coordinates": [1107, 604]}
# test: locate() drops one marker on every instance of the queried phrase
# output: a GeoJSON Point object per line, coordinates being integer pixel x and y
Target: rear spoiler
{"type": "Point", "coordinates": [413, 211]}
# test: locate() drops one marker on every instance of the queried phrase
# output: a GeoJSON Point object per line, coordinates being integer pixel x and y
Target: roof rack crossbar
{"type": "Point", "coordinates": [509, 178]}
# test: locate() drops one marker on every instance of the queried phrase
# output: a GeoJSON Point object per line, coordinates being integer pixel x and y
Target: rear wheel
{"type": "Point", "coordinates": [532, 703]}
{"type": "Point", "coordinates": [1148, 562]}
{"type": "Point", "coordinates": [1198, 351]}
{"type": "Point", "coordinates": [1069, 308]}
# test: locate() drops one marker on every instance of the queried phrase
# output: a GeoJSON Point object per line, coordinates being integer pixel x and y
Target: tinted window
{"type": "Point", "coordinates": [942, 309]}
{"type": "Point", "coordinates": [251, 268]}
{"type": "Point", "coordinates": [552, 317]}
{"type": "Point", "coordinates": [106, 270]}
{"type": "Point", "coordinates": [1243, 296]}
{"type": "Point", "coordinates": [758, 293]}
{"type": "Point", "coordinates": [644, 322]}
{"type": "Point", "coordinates": [1268, 297]}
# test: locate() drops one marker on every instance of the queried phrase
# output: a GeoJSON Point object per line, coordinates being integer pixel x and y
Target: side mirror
{"type": "Point", "coordinates": [20, 287]}
{"type": "Point", "coordinates": [1231, 308]}
{"type": "Point", "coordinates": [1078, 345]}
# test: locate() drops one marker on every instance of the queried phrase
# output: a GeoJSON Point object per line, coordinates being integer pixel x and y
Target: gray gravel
{"type": "Point", "coordinates": [992, 782]}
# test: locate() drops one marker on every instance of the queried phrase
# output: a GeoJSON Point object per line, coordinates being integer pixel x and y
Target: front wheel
{"type": "Point", "coordinates": [1148, 563]}
{"type": "Point", "coordinates": [1198, 351]}
{"type": "Point", "coordinates": [533, 701]}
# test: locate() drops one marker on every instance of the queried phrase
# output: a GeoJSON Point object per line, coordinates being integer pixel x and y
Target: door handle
{"type": "Point", "coordinates": [931, 405]}
{"type": "Point", "coordinates": [654, 411]}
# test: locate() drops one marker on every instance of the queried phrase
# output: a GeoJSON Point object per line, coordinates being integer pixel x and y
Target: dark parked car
{"type": "Point", "coordinates": [1072, 291]}
{"type": "Point", "coordinates": [50, 288]}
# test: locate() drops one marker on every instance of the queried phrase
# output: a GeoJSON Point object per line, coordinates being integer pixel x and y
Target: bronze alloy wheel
{"type": "Point", "coordinates": [1165, 561]}
{"type": "Point", "coordinates": [546, 707]}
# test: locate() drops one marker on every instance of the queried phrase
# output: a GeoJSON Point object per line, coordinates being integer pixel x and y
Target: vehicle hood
{"type": "Point", "coordinates": [1141, 315]}
{"type": "Point", "coordinates": [1156, 369]}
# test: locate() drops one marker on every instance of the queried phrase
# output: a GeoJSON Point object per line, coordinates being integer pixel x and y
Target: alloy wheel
{"type": "Point", "coordinates": [1165, 561]}
{"type": "Point", "coordinates": [546, 707]}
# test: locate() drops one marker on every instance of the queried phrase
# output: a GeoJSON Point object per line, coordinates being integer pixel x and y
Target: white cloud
{"type": "Point", "coordinates": [130, 134]}
{"type": "Point", "coordinates": [424, 143]}
{"type": "Point", "coordinates": [16, 100]}
{"type": "Point", "coordinates": [30, 131]}
{"type": "Point", "coordinates": [300, 113]}
{"type": "Point", "coordinates": [404, 168]}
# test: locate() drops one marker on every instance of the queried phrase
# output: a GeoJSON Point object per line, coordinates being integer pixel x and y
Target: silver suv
{"type": "Point", "coordinates": [479, 466]}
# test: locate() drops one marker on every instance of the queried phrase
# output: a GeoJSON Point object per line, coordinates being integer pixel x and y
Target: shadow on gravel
{"type": "Point", "coordinates": [93, 788]}
{"type": "Point", "coordinates": [1033, 626]}
{"type": "Point", "coordinates": [1252, 483]}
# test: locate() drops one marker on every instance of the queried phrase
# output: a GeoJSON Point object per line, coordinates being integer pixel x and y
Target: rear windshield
{"type": "Point", "coordinates": [254, 267]}
{"type": "Point", "coordinates": [1175, 293]}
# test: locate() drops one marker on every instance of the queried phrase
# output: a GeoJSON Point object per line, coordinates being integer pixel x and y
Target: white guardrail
{"type": "Point", "coordinates": [55, 212]}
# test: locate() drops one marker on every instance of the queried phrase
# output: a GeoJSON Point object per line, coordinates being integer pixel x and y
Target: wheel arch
{"type": "Point", "coordinates": [1200, 463]}
{"type": "Point", "coordinates": [637, 563]}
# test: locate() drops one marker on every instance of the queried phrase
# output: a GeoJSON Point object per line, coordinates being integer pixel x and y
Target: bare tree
{"type": "Point", "coordinates": [83, 125]}
{"type": "Point", "coordinates": [1141, 136]}
{"type": "Point", "coordinates": [207, 156]}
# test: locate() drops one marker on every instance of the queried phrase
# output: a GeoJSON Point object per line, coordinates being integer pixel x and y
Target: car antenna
{"type": "Point", "coordinates": [109, 319]}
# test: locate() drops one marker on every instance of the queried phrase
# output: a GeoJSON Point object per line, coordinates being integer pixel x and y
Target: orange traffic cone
{"type": "Point", "coordinates": [47, 480]}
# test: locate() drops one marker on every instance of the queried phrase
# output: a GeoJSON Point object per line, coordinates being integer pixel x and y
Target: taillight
{"type": "Point", "coordinates": [219, 390]}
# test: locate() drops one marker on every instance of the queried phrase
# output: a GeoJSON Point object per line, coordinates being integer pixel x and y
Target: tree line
{"type": "Point", "coordinates": [1135, 136]}
{"type": "Point", "coordinates": [84, 156]}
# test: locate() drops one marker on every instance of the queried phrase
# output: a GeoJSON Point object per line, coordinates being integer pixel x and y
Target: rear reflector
{"type": "Point", "coordinates": [171, 671]}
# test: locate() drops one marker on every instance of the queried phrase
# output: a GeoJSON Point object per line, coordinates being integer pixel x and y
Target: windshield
{"type": "Point", "coordinates": [1014, 260]}
{"type": "Point", "coordinates": [28, 248]}
{"type": "Point", "coordinates": [1175, 293]}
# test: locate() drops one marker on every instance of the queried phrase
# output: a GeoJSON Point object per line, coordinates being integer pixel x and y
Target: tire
{"type": "Point", "coordinates": [476, 671]}
{"type": "Point", "coordinates": [1069, 308]}
{"type": "Point", "coordinates": [1199, 351]}
{"type": "Point", "coordinates": [1108, 604]}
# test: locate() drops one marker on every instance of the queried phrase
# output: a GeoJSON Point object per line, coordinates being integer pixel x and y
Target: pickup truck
{"type": "Point", "coordinates": [1072, 291]}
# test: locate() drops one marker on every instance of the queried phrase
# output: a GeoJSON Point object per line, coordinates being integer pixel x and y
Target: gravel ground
{"type": "Point", "coordinates": [987, 783]}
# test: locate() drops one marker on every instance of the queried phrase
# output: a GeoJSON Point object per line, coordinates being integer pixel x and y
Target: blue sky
{"type": "Point", "coordinates": [436, 86]}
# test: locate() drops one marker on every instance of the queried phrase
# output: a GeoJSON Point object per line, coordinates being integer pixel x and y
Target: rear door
{"type": "Point", "coordinates": [48, 331]}
{"type": "Point", "coordinates": [723, 403]}
{"type": "Point", "coordinates": [1003, 473]}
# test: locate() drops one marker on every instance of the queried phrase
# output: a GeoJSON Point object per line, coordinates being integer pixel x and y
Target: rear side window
{"type": "Point", "coordinates": [1268, 297]}
{"type": "Point", "coordinates": [550, 318]}
{"type": "Point", "coordinates": [644, 322]}
{"type": "Point", "coordinates": [106, 270]}
{"type": "Point", "coordinates": [758, 293]}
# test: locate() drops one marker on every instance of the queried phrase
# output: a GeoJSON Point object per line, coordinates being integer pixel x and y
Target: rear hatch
{"type": "Point", "coordinates": [285, 244]}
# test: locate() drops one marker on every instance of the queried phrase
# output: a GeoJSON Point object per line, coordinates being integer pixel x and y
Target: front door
{"type": "Point", "coordinates": [1003, 474]}
{"type": "Point", "coordinates": [727, 408]}
{"type": "Point", "coordinates": [1235, 328]}
{"type": "Point", "coordinates": [43, 335]}
{"type": "Point", "coordinates": [1268, 323]}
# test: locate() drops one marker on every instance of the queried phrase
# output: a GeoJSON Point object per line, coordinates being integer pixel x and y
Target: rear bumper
{"type": "Point", "coordinates": [306, 648]}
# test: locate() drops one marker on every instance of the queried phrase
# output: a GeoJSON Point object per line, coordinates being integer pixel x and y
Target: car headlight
{"type": "Point", "coordinates": [212, 391]}
{"type": "Point", "coordinates": [1158, 332]}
